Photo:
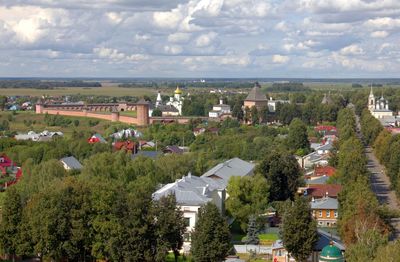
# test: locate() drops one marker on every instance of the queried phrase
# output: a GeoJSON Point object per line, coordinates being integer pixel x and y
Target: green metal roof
{"type": "Point", "coordinates": [331, 253]}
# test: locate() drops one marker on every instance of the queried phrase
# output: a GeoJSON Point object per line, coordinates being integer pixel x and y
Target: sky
{"type": "Point", "coordinates": [200, 38]}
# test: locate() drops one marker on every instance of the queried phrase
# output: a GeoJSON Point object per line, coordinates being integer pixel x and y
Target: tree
{"type": "Point", "coordinates": [10, 222]}
{"type": "Point", "coordinates": [299, 230]}
{"type": "Point", "coordinates": [297, 137]}
{"type": "Point", "coordinates": [252, 232]}
{"type": "Point", "coordinates": [170, 227]}
{"type": "Point", "coordinates": [247, 114]}
{"type": "Point", "coordinates": [211, 238]}
{"type": "Point", "coordinates": [237, 110]}
{"type": "Point", "coordinates": [282, 173]}
{"type": "Point", "coordinates": [156, 112]}
{"type": "Point", "coordinates": [255, 118]}
{"type": "Point", "coordinates": [247, 195]}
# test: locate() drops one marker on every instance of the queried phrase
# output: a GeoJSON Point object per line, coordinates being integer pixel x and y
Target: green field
{"type": "Point", "coordinates": [19, 120]}
{"type": "Point", "coordinates": [99, 91]}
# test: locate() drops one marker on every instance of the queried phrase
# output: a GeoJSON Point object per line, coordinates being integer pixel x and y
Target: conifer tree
{"type": "Point", "coordinates": [211, 238]}
{"type": "Point", "coordinates": [252, 234]}
{"type": "Point", "coordinates": [299, 230]}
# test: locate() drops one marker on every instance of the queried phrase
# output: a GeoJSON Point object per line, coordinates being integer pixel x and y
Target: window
{"type": "Point", "coordinates": [336, 214]}
{"type": "Point", "coordinates": [328, 213]}
{"type": "Point", "coordinates": [187, 237]}
{"type": "Point", "coordinates": [187, 221]}
{"type": "Point", "coordinates": [320, 213]}
{"type": "Point", "coordinates": [1, 159]}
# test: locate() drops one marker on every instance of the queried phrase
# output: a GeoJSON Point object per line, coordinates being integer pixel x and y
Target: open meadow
{"type": "Point", "coordinates": [107, 90]}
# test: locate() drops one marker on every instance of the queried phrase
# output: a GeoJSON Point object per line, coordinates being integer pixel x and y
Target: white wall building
{"type": "Point", "coordinates": [177, 100]}
{"type": "Point", "coordinates": [220, 109]}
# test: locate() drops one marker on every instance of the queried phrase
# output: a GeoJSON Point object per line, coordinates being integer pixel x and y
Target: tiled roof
{"type": "Point", "coordinates": [324, 171]}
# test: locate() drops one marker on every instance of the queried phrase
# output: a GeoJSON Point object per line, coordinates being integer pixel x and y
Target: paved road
{"type": "Point", "coordinates": [380, 184]}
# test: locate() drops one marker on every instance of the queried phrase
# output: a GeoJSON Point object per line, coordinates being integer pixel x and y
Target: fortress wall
{"type": "Point", "coordinates": [123, 119]}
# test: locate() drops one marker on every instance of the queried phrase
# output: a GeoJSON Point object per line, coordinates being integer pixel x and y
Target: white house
{"type": "Point", "coordinates": [192, 192]}
{"type": "Point", "coordinates": [272, 104]}
{"type": "Point", "coordinates": [220, 109]}
{"type": "Point", "coordinates": [43, 136]}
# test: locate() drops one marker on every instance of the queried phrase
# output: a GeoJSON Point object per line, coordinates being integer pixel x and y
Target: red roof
{"type": "Point", "coordinates": [5, 161]}
{"type": "Point", "coordinates": [325, 128]}
{"type": "Point", "coordinates": [319, 191]}
{"type": "Point", "coordinates": [324, 171]}
{"type": "Point", "coordinates": [127, 145]}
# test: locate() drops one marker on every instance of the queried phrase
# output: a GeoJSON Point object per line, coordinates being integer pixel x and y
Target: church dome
{"type": "Point", "coordinates": [178, 91]}
{"type": "Point", "coordinates": [331, 253]}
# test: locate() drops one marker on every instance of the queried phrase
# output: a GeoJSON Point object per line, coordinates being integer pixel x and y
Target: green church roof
{"type": "Point", "coordinates": [331, 253]}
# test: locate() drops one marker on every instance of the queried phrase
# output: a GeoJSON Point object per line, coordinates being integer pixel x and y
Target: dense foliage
{"type": "Point", "coordinates": [299, 230]}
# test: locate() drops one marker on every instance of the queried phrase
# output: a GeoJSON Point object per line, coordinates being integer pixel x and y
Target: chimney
{"type": "Point", "coordinates": [221, 101]}
{"type": "Point", "coordinates": [189, 174]}
{"type": "Point", "coordinates": [326, 194]}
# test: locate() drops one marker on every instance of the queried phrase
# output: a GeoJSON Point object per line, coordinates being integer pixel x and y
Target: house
{"type": "Point", "coordinates": [129, 146]}
{"type": "Point", "coordinates": [324, 149]}
{"type": "Point", "coordinates": [9, 172]}
{"type": "Point", "coordinates": [219, 110]}
{"type": "Point", "coordinates": [230, 168]}
{"type": "Point", "coordinates": [96, 138]}
{"type": "Point", "coordinates": [310, 182]}
{"type": "Point", "coordinates": [71, 163]}
{"type": "Point", "coordinates": [325, 211]}
{"type": "Point", "coordinates": [324, 171]}
{"type": "Point", "coordinates": [191, 193]}
{"type": "Point", "coordinates": [324, 129]}
{"type": "Point", "coordinates": [321, 191]}
{"type": "Point", "coordinates": [146, 144]}
{"type": "Point", "coordinates": [325, 240]}
{"type": "Point", "coordinates": [173, 150]}
{"type": "Point", "coordinates": [198, 131]}
{"type": "Point", "coordinates": [168, 110]}
{"type": "Point", "coordinates": [39, 137]}
{"type": "Point", "coordinates": [273, 104]}
{"type": "Point", "coordinates": [313, 159]}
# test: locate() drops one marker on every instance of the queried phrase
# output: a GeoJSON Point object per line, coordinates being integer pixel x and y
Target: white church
{"type": "Point", "coordinates": [379, 108]}
{"type": "Point", "coordinates": [173, 107]}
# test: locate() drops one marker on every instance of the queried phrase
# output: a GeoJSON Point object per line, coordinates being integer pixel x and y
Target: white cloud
{"type": "Point", "coordinates": [179, 37]}
{"type": "Point", "coordinates": [205, 39]}
{"type": "Point", "coordinates": [386, 23]}
{"type": "Point", "coordinates": [173, 49]}
{"type": "Point", "coordinates": [116, 56]}
{"type": "Point", "coordinates": [280, 59]}
{"type": "Point", "coordinates": [352, 50]}
{"type": "Point", "coordinates": [379, 34]}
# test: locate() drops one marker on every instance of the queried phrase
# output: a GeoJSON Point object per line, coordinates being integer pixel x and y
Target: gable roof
{"type": "Point", "coordinates": [256, 95]}
{"type": "Point", "coordinates": [230, 168]}
{"type": "Point", "coordinates": [149, 154]}
{"type": "Point", "coordinates": [71, 162]}
{"type": "Point", "coordinates": [173, 149]}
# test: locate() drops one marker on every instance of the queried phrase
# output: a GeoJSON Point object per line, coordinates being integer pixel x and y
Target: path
{"type": "Point", "coordinates": [380, 184]}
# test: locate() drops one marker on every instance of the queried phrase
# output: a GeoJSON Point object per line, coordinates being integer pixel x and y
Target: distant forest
{"type": "Point", "coordinates": [187, 84]}
{"type": "Point", "coordinates": [41, 84]}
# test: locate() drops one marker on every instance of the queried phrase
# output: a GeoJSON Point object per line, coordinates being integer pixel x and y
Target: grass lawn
{"type": "Point", "coordinates": [17, 124]}
{"type": "Point", "coordinates": [171, 258]}
{"type": "Point", "coordinates": [99, 91]}
{"type": "Point", "coordinates": [272, 237]}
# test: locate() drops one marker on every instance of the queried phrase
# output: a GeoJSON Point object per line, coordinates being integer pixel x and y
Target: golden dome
{"type": "Point", "coordinates": [178, 91]}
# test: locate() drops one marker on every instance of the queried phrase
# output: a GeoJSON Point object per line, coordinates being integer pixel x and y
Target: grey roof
{"type": "Point", "coordinates": [327, 146]}
{"type": "Point", "coordinates": [230, 168]}
{"type": "Point", "coordinates": [317, 181]}
{"type": "Point", "coordinates": [325, 203]}
{"type": "Point", "coordinates": [325, 238]}
{"type": "Point", "coordinates": [149, 154]}
{"type": "Point", "coordinates": [190, 190]}
{"type": "Point", "coordinates": [256, 95]}
{"type": "Point", "coordinates": [71, 162]}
